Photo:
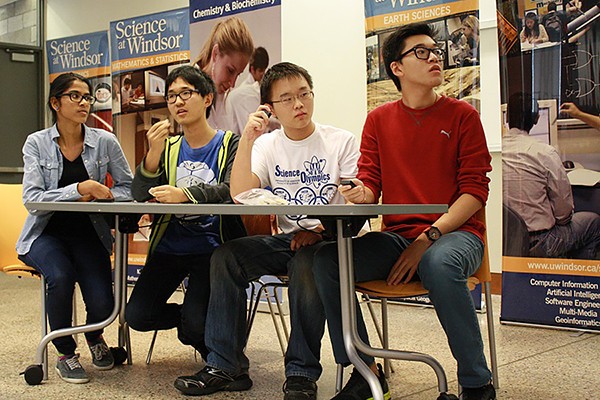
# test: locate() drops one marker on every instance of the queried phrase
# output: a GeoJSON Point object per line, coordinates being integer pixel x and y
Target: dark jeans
{"type": "Point", "coordinates": [443, 270]}
{"type": "Point", "coordinates": [148, 310]}
{"type": "Point", "coordinates": [233, 266]}
{"type": "Point", "coordinates": [64, 261]}
{"type": "Point", "coordinates": [579, 239]}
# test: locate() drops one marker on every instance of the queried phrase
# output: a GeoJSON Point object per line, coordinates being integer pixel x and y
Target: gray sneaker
{"type": "Point", "coordinates": [102, 357]}
{"type": "Point", "coordinates": [70, 370]}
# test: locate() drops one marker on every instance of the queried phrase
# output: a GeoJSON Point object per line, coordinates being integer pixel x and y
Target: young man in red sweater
{"type": "Point", "coordinates": [421, 149]}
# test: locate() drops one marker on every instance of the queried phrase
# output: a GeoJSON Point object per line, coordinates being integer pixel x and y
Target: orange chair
{"type": "Point", "coordinates": [12, 215]}
{"type": "Point", "coordinates": [383, 291]}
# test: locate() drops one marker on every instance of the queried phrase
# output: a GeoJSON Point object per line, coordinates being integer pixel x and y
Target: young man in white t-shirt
{"type": "Point", "coordinates": [302, 162]}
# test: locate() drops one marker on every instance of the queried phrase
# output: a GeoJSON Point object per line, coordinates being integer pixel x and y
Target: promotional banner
{"type": "Point", "coordinates": [456, 23]}
{"type": "Point", "coordinates": [255, 25]}
{"type": "Point", "coordinates": [550, 89]}
{"type": "Point", "coordinates": [87, 55]}
{"type": "Point", "coordinates": [457, 31]}
{"type": "Point", "coordinates": [143, 51]}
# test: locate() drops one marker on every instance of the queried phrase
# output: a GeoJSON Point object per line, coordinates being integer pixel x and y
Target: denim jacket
{"type": "Point", "coordinates": [43, 167]}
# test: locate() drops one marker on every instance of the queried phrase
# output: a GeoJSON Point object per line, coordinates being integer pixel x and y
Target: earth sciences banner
{"type": "Point", "coordinates": [457, 30]}
{"type": "Point", "coordinates": [461, 65]}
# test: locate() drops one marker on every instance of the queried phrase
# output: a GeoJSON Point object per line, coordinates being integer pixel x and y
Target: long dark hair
{"type": "Point", "coordinates": [536, 25]}
{"type": "Point", "coordinates": [60, 85]}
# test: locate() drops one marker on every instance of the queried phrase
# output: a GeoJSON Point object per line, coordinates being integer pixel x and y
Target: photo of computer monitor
{"type": "Point", "coordinates": [155, 88]}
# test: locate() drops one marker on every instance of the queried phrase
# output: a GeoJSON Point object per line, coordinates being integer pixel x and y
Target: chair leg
{"type": "Point", "coordinates": [386, 337]}
{"type": "Point", "coordinates": [151, 349]}
{"type": "Point", "coordinates": [255, 295]}
{"type": "Point", "coordinates": [388, 367]}
{"type": "Point", "coordinates": [44, 327]}
{"type": "Point", "coordinates": [280, 311]}
{"type": "Point", "coordinates": [491, 334]}
{"type": "Point", "coordinates": [339, 378]}
{"type": "Point", "coordinates": [76, 336]}
{"type": "Point", "coordinates": [153, 341]}
{"type": "Point", "coordinates": [281, 337]}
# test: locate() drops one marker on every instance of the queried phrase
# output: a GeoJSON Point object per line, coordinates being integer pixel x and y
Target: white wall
{"type": "Point", "coordinates": [322, 36]}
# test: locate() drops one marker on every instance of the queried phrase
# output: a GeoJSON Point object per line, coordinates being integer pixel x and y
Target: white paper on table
{"type": "Point", "coordinates": [583, 177]}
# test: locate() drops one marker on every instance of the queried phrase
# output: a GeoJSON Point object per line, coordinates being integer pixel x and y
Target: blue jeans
{"type": "Point", "coordinates": [64, 261]}
{"type": "Point", "coordinates": [443, 270]}
{"type": "Point", "coordinates": [579, 239]}
{"type": "Point", "coordinates": [148, 310]}
{"type": "Point", "coordinates": [233, 266]}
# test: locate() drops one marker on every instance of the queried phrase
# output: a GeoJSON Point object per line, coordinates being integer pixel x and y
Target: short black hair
{"type": "Point", "coordinates": [260, 58]}
{"type": "Point", "coordinates": [551, 6]}
{"type": "Point", "coordinates": [283, 70]}
{"type": "Point", "coordinates": [126, 81]}
{"type": "Point", "coordinates": [394, 45]}
{"type": "Point", "coordinates": [522, 111]}
{"type": "Point", "coordinates": [61, 84]}
{"type": "Point", "coordinates": [195, 77]}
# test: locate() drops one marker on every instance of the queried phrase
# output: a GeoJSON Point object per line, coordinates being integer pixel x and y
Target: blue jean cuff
{"type": "Point", "coordinates": [303, 375]}
{"type": "Point", "coordinates": [230, 372]}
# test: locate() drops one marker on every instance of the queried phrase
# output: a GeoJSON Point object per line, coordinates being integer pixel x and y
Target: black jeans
{"type": "Point", "coordinates": [148, 309]}
{"type": "Point", "coordinates": [64, 261]}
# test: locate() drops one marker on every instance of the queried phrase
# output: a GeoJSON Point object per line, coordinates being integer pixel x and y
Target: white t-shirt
{"type": "Point", "coordinates": [306, 171]}
{"type": "Point", "coordinates": [241, 102]}
{"type": "Point", "coordinates": [219, 114]}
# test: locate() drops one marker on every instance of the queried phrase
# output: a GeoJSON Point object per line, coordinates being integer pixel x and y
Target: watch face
{"type": "Point", "coordinates": [433, 233]}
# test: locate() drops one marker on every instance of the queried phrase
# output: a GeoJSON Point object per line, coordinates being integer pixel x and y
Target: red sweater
{"type": "Point", "coordinates": [428, 156]}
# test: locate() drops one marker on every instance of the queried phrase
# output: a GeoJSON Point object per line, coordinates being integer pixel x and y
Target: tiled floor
{"type": "Point", "coordinates": [534, 363]}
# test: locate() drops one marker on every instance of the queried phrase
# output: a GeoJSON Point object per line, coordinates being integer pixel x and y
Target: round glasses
{"type": "Point", "coordinates": [76, 97]}
{"type": "Point", "coordinates": [288, 100]}
{"type": "Point", "coordinates": [183, 95]}
{"type": "Point", "coordinates": [422, 53]}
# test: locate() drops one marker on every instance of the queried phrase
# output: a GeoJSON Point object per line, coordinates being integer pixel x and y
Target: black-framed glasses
{"type": "Point", "coordinates": [422, 53]}
{"type": "Point", "coordinates": [76, 97]}
{"type": "Point", "coordinates": [183, 95]}
{"type": "Point", "coordinates": [288, 100]}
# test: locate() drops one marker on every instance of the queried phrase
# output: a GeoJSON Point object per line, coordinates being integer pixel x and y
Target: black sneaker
{"type": "Point", "coordinates": [210, 380]}
{"type": "Point", "coordinates": [102, 357]}
{"type": "Point", "coordinates": [299, 388]}
{"type": "Point", "coordinates": [357, 387]}
{"type": "Point", "coordinates": [70, 370]}
{"type": "Point", "coordinates": [486, 392]}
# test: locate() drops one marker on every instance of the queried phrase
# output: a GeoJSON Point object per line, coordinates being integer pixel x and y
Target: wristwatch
{"type": "Point", "coordinates": [433, 233]}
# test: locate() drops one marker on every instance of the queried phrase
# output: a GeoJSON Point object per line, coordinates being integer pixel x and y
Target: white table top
{"type": "Point", "coordinates": [239, 209]}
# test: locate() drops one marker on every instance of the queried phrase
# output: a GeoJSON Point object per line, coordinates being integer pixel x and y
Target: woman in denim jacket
{"type": "Point", "coordinates": [70, 162]}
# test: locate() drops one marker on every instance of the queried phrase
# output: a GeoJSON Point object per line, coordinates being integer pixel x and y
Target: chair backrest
{"type": "Point", "coordinates": [516, 236]}
{"type": "Point", "coordinates": [260, 224]}
{"type": "Point", "coordinates": [12, 218]}
{"type": "Point", "coordinates": [484, 273]}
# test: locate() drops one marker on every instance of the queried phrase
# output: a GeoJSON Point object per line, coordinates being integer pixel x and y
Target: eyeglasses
{"type": "Point", "coordinates": [422, 53]}
{"type": "Point", "coordinates": [288, 100]}
{"type": "Point", "coordinates": [76, 97]}
{"type": "Point", "coordinates": [183, 95]}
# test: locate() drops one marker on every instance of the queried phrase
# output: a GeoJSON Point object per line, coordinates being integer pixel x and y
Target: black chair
{"type": "Point", "coordinates": [516, 237]}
